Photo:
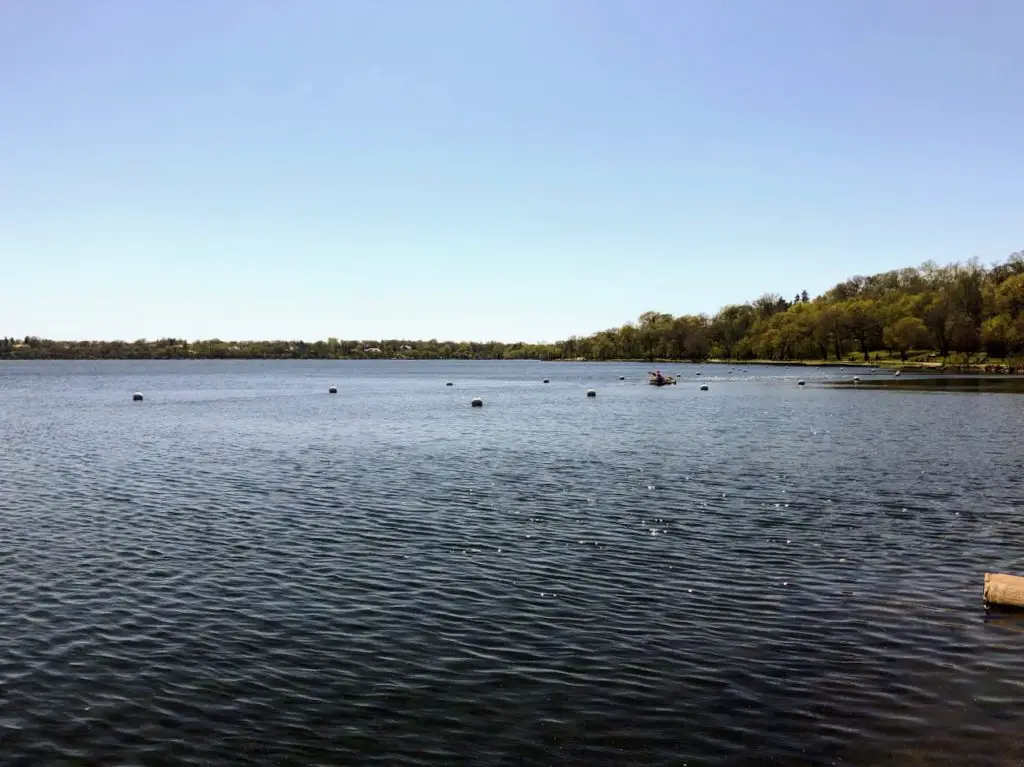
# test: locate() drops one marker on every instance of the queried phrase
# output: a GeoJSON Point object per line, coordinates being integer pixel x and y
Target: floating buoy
{"type": "Point", "coordinates": [137, 397]}
{"type": "Point", "coordinates": [476, 402]}
{"type": "Point", "coordinates": [1003, 590]}
{"type": "Point", "coordinates": [899, 372]}
{"type": "Point", "coordinates": [591, 393]}
{"type": "Point", "coordinates": [546, 381]}
{"type": "Point", "coordinates": [333, 390]}
{"type": "Point", "coordinates": [856, 379]}
{"type": "Point", "coordinates": [703, 387]}
{"type": "Point", "coordinates": [622, 378]}
{"type": "Point", "coordinates": [698, 373]}
{"type": "Point", "coordinates": [801, 382]}
{"type": "Point", "coordinates": [448, 383]}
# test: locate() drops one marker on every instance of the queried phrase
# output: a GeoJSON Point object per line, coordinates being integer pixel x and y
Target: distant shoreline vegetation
{"type": "Point", "coordinates": [962, 314]}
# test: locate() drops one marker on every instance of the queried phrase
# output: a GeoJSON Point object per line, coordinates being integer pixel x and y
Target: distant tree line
{"type": "Point", "coordinates": [962, 309]}
{"type": "Point", "coordinates": [331, 349]}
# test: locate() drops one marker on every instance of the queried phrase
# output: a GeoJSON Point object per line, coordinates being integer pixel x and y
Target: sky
{"type": "Point", "coordinates": [488, 169]}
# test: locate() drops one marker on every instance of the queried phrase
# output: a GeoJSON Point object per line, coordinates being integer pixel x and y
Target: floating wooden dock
{"type": "Point", "coordinates": [1002, 590]}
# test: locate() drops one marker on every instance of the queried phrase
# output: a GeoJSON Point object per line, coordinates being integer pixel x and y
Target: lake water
{"type": "Point", "coordinates": [244, 569]}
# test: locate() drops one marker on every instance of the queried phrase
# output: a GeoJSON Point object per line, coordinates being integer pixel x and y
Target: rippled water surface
{"type": "Point", "coordinates": [244, 569]}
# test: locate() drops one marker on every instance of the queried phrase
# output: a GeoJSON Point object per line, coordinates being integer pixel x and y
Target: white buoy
{"type": "Point", "coordinates": [333, 390]}
{"type": "Point", "coordinates": [899, 372]}
{"type": "Point", "coordinates": [476, 402]}
{"type": "Point", "coordinates": [448, 383]}
{"type": "Point", "coordinates": [591, 393]}
{"type": "Point", "coordinates": [856, 379]}
{"type": "Point", "coordinates": [703, 387]}
{"type": "Point", "coordinates": [801, 382]}
{"type": "Point", "coordinates": [137, 397]}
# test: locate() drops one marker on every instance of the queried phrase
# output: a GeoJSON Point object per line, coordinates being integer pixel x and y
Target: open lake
{"type": "Point", "coordinates": [244, 569]}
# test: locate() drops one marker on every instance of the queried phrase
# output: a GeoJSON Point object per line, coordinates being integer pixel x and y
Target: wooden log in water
{"type": "Point", "coordinates": [1002, 590]}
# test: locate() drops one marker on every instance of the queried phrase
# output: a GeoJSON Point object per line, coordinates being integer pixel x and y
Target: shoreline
{"type": "Point", "coordinates": [887, 364]}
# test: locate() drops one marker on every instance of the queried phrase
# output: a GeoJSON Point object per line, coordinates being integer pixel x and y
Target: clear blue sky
{"type": "Point", "coordinates": [488, 169]}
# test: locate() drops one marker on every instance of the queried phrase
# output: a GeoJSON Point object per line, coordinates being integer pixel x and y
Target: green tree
{"type": "Point", "coordinates": [729, 327]}
{"type": "Point", "coordinates": [999, 335]}
{"type": "Point", "coordinates": [862, 322]}
{"type": "Point", "coordinates": [905, 334]}
{"type": "Point", "coordinates": [964, 335]}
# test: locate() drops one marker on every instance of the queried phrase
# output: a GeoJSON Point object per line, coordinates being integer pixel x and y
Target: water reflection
{"type": "Point", "coordinates": [949, 383]}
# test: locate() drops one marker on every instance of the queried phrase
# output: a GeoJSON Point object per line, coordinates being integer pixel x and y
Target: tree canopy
{"type": "Point", "coordinates": [929, 311]}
